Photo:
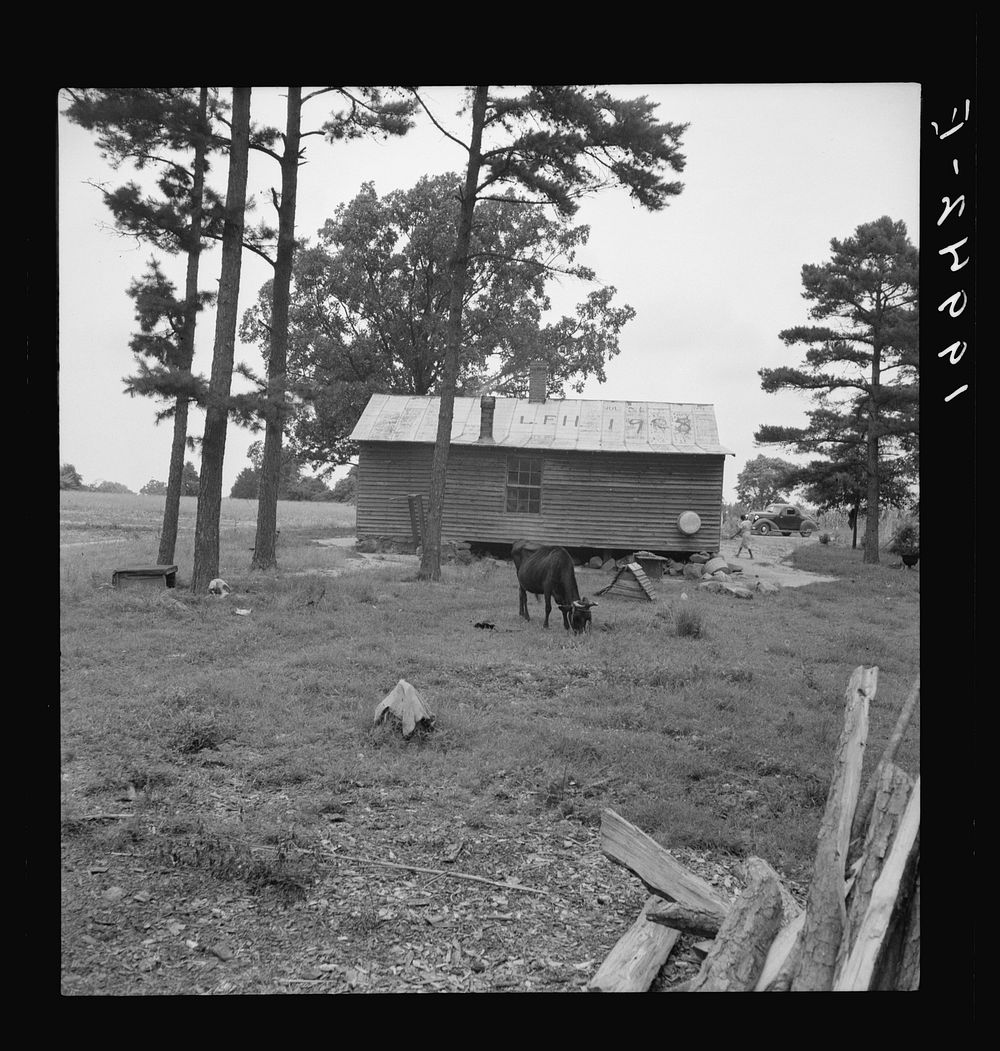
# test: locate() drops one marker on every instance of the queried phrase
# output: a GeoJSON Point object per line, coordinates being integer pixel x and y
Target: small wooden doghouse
{"type": "Point", "coordinates": [586, 474]}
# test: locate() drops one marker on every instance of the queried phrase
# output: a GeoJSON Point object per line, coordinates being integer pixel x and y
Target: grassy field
{"type": "Point", "coordinates": [220, 772]}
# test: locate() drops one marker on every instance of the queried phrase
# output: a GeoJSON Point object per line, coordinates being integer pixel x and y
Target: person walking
{"type": "Point", "coordinates": [743, 532]}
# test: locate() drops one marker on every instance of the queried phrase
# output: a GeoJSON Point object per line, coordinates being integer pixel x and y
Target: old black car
{"type": "Point", "coordinates": [781, 518]}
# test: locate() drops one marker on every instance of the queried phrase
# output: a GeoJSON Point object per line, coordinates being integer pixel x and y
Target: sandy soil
{"type": "Point", "coordinates": [768, 565]}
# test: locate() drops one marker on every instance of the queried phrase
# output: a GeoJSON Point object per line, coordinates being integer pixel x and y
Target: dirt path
{"type": "Point", "coordinates": [768, 562]}
{"type": "Point", "coordinates": [767, 565]}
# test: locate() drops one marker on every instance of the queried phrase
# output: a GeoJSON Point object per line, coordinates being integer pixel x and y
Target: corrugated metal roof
{"type": "Point", "coordinates": [569, 423]}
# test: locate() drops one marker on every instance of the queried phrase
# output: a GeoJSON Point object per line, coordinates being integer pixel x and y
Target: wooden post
{"type": "Point", "coordinates": [908, 975]}
{"type": "Point", "coordinates": [416, 525]}
{"type": "Point", "coordinates": [859, 967]}
{"type": "Point", "coordinates": [888, 756]}
{"type": "Point", "coordinates": [826, 913]}
{"type": "Point", "coordinates": [889, 804]}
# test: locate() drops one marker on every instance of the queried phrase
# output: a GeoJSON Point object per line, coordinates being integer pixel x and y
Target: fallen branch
{"type": "Point", "coordinates": [701, 922]}
{"type": "Point", "coordinates": [102, 817]}
{"type": "Point", "coordinates": [434, 872]}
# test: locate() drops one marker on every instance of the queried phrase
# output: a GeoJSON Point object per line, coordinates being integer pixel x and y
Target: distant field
{"type": "Point", "coordinates": [99, 532]}
{"type": "Point", "coordinates": [224, 787]}
{"type": "Point", "coordinates": [89, 512]}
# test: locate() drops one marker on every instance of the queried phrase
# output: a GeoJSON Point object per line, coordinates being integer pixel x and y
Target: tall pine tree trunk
{"type": "Point", "coordinates": [430, 560]}
{"type": "Point", "coordinates": [264, 555]}
{"type": "Point", "coordinates": [171, 508]}
{"type": "Point", "coordinates": [871, 523]}
{"type": "Point", "coordinates": [206, 537]}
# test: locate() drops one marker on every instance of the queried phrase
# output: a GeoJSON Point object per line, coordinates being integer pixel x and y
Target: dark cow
{"type": "Point", "coordinates": [549, 571]}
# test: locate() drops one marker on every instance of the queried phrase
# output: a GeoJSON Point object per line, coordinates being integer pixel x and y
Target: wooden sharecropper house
{"type": "Point", "coordinates": [586, 474]}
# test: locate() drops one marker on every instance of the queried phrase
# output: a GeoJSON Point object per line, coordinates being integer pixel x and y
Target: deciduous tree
{"type": "Point", "coordinates": [864, 363]}
{"type": "Point", "coordinates": [762, 481]}
{"type": "Point", "coordinates": [69, 477]}
{"type": "Point", "coordinates": [370, 308]}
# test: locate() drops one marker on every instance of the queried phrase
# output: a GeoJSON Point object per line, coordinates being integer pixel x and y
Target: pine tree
{"type": "Point", "coordinates": [840, 482]}
{"type": "Point", "coordinates": [366, 113]}
{"type": "Point", "coordinates": [868, 290]}
{"type": "Point", "coordinates": [169, 128]}
{"type": "Point", "coordinates": [555, 144]}
{"type": "Point", "coordinates": [213, 450]}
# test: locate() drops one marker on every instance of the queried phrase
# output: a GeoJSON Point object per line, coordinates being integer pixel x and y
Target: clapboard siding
{"type": "Point", "coordinates": [591, 499]}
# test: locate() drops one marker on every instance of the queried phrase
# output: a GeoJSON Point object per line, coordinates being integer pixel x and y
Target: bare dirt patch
{"type": "Point", "coordinates": [767, 565]}
{"type": "Point", "coordinates": [769, 562]}
{"type": "Point", "coordinates": [382, 901]}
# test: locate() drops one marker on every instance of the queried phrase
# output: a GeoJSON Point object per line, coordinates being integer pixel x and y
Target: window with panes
{"type": "Point", "coordinates": [524, 484]}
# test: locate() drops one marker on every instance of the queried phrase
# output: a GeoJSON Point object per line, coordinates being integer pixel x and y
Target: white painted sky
{"type": "Point", "coordinates": [774, 171]}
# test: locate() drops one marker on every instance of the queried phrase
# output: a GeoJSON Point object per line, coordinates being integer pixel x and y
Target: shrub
{"type": "Point", "coordinates": [906, 538]}
{"type": "Point", "coordinates": [689, 622]}
{"type": "Point", "coordinates": [824, 538]}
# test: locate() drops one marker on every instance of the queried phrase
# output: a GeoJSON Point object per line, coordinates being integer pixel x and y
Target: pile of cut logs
{"type": "Point", "coordinates": [860, 928]}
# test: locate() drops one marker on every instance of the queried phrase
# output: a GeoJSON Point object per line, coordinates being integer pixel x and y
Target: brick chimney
{"type": "Point", "coordinates": [538, 375]}
{"type": "Point", "coordinates": [486, 405]}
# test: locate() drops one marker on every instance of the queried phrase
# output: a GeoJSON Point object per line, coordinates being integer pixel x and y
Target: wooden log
{"type": "Point", "coordinates": [826, 913]}
{"type": "Point", "coordinates": [740, 948]}
{"type": "Point", "coordinates": [890, 801]}
{"type": "Point", "coordinates": [888, 968]}
{"type": "Point", "coordinates": [864, 808]}
{"type": "Point", "coordinates": [704, 923]}
{"type": "Point", "coordinates": [782, 960]}
{"type": "Point", "coordinates": [792, 918]}
{"type": "Point", "coordinates": [637, 957]}
{"type": "Point", "coordinates": [859, 967]}
{"type": "Point", "coordinates": [908, 974]}
{"type": "Point", "coordinates": [666, 877]}
{"type": "Point", "coordinates": [783, 957]}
